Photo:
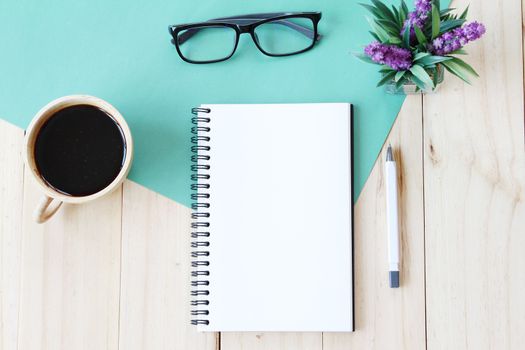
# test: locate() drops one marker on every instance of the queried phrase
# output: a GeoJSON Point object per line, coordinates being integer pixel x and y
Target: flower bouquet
{"type": "Point", "coordinates": [414, 47]}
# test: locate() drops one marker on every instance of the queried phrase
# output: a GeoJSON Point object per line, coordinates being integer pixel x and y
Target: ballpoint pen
{"type": "Point", "coordinates": [392, 218]}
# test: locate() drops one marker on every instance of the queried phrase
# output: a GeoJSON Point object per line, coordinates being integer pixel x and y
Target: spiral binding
{"type": "Point", "coordinates": [200, 232]}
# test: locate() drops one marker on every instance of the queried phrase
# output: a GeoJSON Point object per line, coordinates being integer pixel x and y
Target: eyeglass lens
{"type": "Point", "coordinates": [285, 36]}
{"type": "Point", "coordinates": [208, 43]}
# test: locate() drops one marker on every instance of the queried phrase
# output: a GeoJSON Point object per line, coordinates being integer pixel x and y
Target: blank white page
{"type": "Point", "coordinates": [280, 218]}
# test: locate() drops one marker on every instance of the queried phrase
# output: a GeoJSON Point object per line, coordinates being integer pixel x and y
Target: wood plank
{"type": "Point", "coordinates": [474, 193]}
{"type": "Point", "coordinates": [390, 318]}
{"type": "Point", "coordinates": [11, 196]}
{"type": "Point", "coordinates": [155, 296]}
{"type": "Point", "coordinates": [70, 275]}
{"type": "Point", "coordinates": [271, 341]}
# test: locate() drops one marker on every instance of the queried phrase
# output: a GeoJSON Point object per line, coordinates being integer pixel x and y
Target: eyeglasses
{"type": "Point", "coordinates": [274, 34]}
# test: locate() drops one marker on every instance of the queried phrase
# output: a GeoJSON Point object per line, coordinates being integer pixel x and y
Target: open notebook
{"type": "Point", "coordinates": [272, 228]}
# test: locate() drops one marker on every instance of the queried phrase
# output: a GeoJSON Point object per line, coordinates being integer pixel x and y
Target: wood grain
{"type": "Point", "coordinates": [70, 275]}
{"type": "Point", "coordinates": [155, 305]}
{"type": "Point", "coordinates": [388, 318]}
{"type": "Point", "coordinates": [11, 197]}
{"type": "Point", "coordinates": [271, 341]}
{"type": "Point", "coordinates": [474, 193]}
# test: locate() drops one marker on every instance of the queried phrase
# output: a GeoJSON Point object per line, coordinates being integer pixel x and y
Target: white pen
{"type": "Point", "coordinates": [392, 218]}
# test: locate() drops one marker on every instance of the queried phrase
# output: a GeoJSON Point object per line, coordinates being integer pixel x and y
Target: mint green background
{"type": "Point", "coordinates": [120, 51]}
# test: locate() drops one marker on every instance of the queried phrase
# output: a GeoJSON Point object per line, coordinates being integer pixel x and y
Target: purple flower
{"type": "Point", "coordinates": [447, 36]}
{"type": "Point", "coordinates": [438, 43]}
{"type": "Point", "coordinates": [418, 17]}
{"type": "Point", "coordinates": [395, 57]}
{"type": "Point", "coordinates": [423, 6]}
{"type": "Point", "coordinates": [457, 38]}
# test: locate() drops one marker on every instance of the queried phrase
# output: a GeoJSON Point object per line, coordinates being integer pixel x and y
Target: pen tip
{"type": "Point", "coordinates": [389, 155]}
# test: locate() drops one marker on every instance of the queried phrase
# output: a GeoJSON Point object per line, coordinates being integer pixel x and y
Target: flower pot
{"type": "Point", "coordinates": [409, 88]}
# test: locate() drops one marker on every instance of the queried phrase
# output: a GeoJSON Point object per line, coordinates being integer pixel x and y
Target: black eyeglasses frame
{"type": "Point", "coordinates": [246, 24]}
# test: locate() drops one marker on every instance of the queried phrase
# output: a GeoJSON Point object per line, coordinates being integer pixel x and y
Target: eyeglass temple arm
{"type": "Point", "coordinates": [250, 18]}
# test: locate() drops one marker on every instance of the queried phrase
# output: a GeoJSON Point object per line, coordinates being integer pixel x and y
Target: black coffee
{"type": "Point", "coordinates": [80, 150]}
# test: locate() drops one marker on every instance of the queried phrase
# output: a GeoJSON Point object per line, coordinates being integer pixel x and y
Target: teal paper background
{"type": "Point", "coordinates": [120, 51]}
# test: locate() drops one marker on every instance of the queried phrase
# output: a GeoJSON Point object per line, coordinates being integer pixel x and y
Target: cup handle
{"type": "Point", "coordinates": [42, 212]}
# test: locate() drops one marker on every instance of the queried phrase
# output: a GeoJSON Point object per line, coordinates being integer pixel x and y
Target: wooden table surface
{"type": "Point", "coordinates": [114, 274]}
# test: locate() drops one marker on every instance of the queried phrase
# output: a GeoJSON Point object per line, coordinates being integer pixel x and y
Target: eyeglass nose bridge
{"type": "Point", "coordinates": [248, 29]}
{"type": "Point", "coordinates": [243, 29]}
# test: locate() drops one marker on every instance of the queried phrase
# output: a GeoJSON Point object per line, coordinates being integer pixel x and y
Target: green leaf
{"type": "Point", "coordinates": [385, 69]}
{"type": "Point", "coordinates": [422, 75]}
{"type": "Point", "coordinates": [400, 75]}
{"type": "Point", "coordinates": [458, 52]}
{"type": "Point", "coordinates": [402, 19]}
{"type": "Point", "coordinates": [464, 14]}
{"type": "Point", "coordinates": [384, 10]}
{"type": "Point", "coordinates": [386, 78]}
{"type": "Point", "coordinates": [396, 15]}
{"type": "Point", "coordinates": [435, 76]}
{"type": "Point", "coordinates": [401, 82]}
{"type": "Point", "coordinates": [437, 3]}
{"type": "Point", "coordinates": [394, 40]}
{"type": "Point", "coordinates": [363, 57]}
{"type": "Point", "coordinates": [404, 7]}
{"type": "Point", "coordinates": [421, 85]}
{"type": "Point", "coordinates": [381, 34]}
{"type": "Point", "coordinates": [389, 26]}
{"type": "Point", "coordinates": [450, 24]}
{"type": "Point", "coordinates": [436, 19]}
{"type": "Point", "coordinates": [420, 55]}
{"type": "Point", "coordinates": [406, 78]}
{"type": "Point", "coordinates": [374, 35]}
{"type": "Point", "coordinates": [445, 12]}
{"type": "Point", "coordinates": [406, 37]}
{"type": "Point", "coordinates": [421, 38]}
{"type": "Point", "coordinates": [432, 60]}
{"type": "Point", "coordinates": [456, 70]}
{"type": "Point", "coordinates": [465, 66]}
{"type": "Point", "coordinates": [402, 14]}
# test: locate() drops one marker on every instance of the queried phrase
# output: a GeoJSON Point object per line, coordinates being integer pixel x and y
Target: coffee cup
{"type": "Point", "coordinates": [77, 148]}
